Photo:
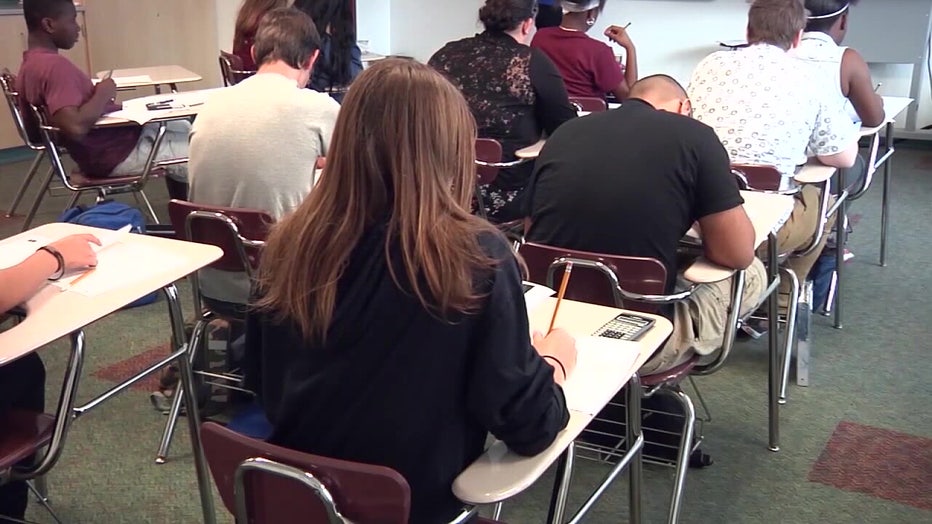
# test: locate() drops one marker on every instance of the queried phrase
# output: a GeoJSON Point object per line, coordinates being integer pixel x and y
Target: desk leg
{"type": "Point", "coordinates": [635, 468]}
{"type": "Point", "coordinates": [885, 202]}
{"type": "Point", "coordinates": [204, 484]}
{"type": "Point", "coordinates": [65, 414]}
{"type": "Point", "coordinates": [561, 486]}
{"type": "Point", "coordinates": [773, 378]}
{"type": "Point", "coordinates": [841, 238]}
{"type": "Point", "coordinates": [174, 87]}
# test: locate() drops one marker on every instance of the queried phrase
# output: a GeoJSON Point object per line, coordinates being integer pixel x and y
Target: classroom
{"type": "Point", "coordinates": [516, 261]}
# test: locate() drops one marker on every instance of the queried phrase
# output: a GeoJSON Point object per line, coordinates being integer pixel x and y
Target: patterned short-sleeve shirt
{"type": "Point", "coordinates": [766, 110]}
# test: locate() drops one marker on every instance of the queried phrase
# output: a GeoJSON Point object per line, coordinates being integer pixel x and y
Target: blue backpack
{"type": "Point", "coordinates": [111, 215]}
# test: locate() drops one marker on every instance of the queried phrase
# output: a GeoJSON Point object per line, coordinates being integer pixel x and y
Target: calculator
{"type": "Point", "coordinates": [625, 327]}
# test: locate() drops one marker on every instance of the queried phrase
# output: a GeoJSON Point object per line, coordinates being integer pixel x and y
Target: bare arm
{"type": "Point", "coordinates": [728, 238]}
{"type": "Point", "coordinates": [858, 86]}
{"type": "Point", "coordinates": [20, 282]}
{"type": "Point", "coordinates": [620, 36]}
{"type": "Point", "coordinates": [76, 122]}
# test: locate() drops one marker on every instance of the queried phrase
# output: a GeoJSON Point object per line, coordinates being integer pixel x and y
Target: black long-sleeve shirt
{"type": "Point", "coordinates": [515, 93]}
{"type": "Point", "coordinates": [396, 386]}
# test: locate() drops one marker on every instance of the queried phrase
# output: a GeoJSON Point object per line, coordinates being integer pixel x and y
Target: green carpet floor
{"type": "Point", "coordinates": [875, 372]}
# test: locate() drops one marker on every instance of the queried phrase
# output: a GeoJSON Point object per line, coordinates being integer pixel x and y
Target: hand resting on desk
{"type": "Point", "coordinates": [559, 349]}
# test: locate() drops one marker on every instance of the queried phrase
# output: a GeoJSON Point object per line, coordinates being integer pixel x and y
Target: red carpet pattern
{"type": "Point", "coordinates": [126, 368]}
{"type": "Point", "coordinates": [878, 462]}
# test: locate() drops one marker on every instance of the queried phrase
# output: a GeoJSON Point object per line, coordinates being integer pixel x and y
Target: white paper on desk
{"type": "Point", "coordinates": [534, 295]}
{"type": "Point", "coordinates": [602, 367]}
{"type": "Point", "coordinates": [14, 251]}
{"type": "Point", "coordinates": [136, 79]}
{"type": "Point", "coordinates": [116, 268]}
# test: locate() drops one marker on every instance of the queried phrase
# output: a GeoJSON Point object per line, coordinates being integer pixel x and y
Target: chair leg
{"type": "Point", "coordinates": [804, 332]}
{"type": "Point", "coordinates": [38, 201]}
{"type": "Point", "coordinates": [830, 299]}
{"type": "Point", "coordinates": [194, 345]}
{"type": "Point", "coordinates": [497, 511]}
{"type": "Point", "coordinates": [702, 403]}
{"type": "Point", "coordinates": [682, 460]}
{"type": "Point", "coordinates": [74, 200]}
{"type": "Point", "coordinates": [39, 488]}
{"type": "Point", "coordinates": [789, 333]}
{"type": "Point", "coordinates": [33, 169]}
{"type": "Point", "coordinates": [145, 199]}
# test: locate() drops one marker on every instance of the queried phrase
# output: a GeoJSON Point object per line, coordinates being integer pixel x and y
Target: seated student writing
{"type": "Point", "coordinates": [389, 325]}
{"type": "Point", "coordinates": [268, 164]}
{"type": "Point", "coordinates": [589, 67]}
{"type": "Point", "coordinates": [22, 382]}
{"type": "Point", "coordinates": [74, 104]}
{"type": "Point", "coordinates": [839, 70]}
{"type": "Point", "coordinates": [515, 93]}
{"type": "Point", "coordinates": [247, 22]}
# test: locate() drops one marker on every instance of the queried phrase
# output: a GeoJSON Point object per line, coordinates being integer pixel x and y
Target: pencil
{"type": "Point", "coordinates": [627, 25]}
{"type": "Point", "coordinates": [80, 278]}
{"type": "Point", "coordinates": [566, 280]}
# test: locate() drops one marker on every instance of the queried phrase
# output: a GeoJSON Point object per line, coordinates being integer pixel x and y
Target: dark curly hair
{"type": "Point", "coordinates": [505, 15]}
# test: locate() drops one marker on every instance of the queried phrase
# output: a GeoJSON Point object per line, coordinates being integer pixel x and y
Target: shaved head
{"type": "Point", "coordinates": [658, 88]}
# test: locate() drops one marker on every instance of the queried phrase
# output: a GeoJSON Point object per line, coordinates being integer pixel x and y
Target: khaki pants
{"type": "Point", "coordinates": [699, 321]}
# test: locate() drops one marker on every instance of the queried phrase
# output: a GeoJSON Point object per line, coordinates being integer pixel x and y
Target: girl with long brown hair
{"type": "Point", "coordinates": [389, 325]}
{"type": "Point", "coordinates": [247, 21]}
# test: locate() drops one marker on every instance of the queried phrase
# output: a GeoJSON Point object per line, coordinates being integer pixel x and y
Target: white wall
{"type": "Point", "coordinates": [373, 23]}
{"type": "Point", "coordinates": [226, 20]}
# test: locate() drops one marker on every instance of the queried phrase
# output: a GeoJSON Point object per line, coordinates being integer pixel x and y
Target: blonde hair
{"type": "Point", "coordinates": [403, 152]}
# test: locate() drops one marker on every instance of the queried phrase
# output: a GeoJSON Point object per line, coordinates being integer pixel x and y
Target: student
{"type": "Point", "coordinates": [340, 58]}
{"type": "Point", "coordinates": [549, 13]}
{"type": "Point", "coordinates": [515, 93]}
{"type": "Point", "coordinates": [247, 21]}
{"type": "Point", "coordinates": [842, 71]}
{"type": "Point", "coordinates": [22, 382]}
{"type": "Point", "coordinates": [588, 66]}
{"type": "Point", "coordinates": [390, 326]}
{"type": "Point", "coordinates": [73, 103]}
{"type": "Point", "coordinates": [268, 164]}
{"type": "Point", "coordinates": [767, 110]}
{"type": "Point", "coordinates": [653, 172]}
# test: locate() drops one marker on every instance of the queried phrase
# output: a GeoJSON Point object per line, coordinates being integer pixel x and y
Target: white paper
{"type": "Point", "coordinates": [14, 251]}
{"type": "Point", "coordinates": [603, 367]}
{"type": "Point", "coordinates": [535, 296]}
{"type": "Point", "coordinates": [116, 268]}
{"type": "Point", "coordinates": [127, 80]}
{"type": "Point", "coordinates": [135, 110]}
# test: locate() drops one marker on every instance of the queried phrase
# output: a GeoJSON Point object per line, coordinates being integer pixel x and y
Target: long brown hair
{"type": "Point", "coordinates": [403, 152]}
{"type": "Point", "coordinates": [250, 13]}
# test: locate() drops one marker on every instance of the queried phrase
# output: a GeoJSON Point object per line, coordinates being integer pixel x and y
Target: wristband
{"type": "Point", "coordinates": [555, 359]}
{"type": "Point", "coordinates": [58, 258]}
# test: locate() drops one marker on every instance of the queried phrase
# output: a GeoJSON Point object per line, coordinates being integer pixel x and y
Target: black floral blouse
{"type": "Point", "coordinates": [516, 95]}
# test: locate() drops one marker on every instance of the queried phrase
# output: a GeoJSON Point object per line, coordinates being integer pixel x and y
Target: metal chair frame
{"type": "Point", "coordinates": [231, 74]}
{"type": "Point", "coordinates": [488, 175]}
{"type": "Point", "coordinates": [590, 104]}
{"type": "Point", "coordinates": [232, 380]}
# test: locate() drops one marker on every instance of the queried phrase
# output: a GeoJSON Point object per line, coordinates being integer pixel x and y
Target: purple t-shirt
{"type": "Point", "coordinates": [588, 66]}
{"type": "Point", "coordinates": [48, 79]}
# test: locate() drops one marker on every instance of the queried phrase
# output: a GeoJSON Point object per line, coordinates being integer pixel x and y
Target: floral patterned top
{"type": "Point", "coordinates": [515, 93]}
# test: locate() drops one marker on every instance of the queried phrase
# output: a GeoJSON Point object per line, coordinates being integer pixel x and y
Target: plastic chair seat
{"type": "Point", "coordinates": [673, 375]}
{"type": "Point", "coordinates": [24, 432]}
{"type": "Point", "coordinates": [81, 180]}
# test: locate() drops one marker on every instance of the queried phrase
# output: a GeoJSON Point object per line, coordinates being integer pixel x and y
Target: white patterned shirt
{"type": "Point", "coordinates": [766, 110]}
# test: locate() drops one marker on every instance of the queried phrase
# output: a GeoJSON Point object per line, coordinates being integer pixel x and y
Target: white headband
{"type": "Point", "coordinates": [830, 15]}
{"type": "Point", "coordinates": [570, 8]}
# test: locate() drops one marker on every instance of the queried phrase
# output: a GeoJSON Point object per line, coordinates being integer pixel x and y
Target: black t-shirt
{"type": "Point", "coordinates": [630, 181]}
{"type": "Point", "coordinates": [396, 386]}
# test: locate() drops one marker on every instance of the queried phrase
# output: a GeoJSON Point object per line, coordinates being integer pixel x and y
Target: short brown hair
{"type": "Point", "coordinates": [286, 34]}
{"type": "Point", "coordinates": [776, 22]}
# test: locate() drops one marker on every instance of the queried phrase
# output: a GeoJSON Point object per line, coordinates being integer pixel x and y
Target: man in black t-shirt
{"type": "Point", "coordinates": [632, 181]}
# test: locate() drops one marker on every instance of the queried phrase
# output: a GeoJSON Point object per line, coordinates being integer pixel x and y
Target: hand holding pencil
{"type": "Point", "coordinates": [558, 347]}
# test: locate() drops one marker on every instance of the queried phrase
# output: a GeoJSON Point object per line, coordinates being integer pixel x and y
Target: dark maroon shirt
{"type": "Point", "coordinates": [588, 66]}
{"type": "Point", "coordinates": [242, 47]}
{"type": "Point", "coordinates": [48, 79]}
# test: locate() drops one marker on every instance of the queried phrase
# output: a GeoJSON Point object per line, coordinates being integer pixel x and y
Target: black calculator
{"type": "Point", "coordinates": [625, 327]}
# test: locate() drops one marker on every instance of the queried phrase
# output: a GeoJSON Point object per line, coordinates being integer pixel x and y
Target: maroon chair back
{"type": "Point", "coordinates": [757, 177]}
{"type": "Point", "coordinates": [645, 276]}
{"type": "Point", "coordinates": [490, 151]}
{"type": "Point", "coordinates": [231, 68]}
{"type": "Point", "coordinates": [587, 103]}
{"type": "Point", "coordinates": [362, 492]}
{"type": "Point", "coordinates": [213, 227]}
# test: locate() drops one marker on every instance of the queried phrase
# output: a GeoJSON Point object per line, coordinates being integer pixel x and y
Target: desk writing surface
{"type": "Point", "coordinates": [766, 211]}
{"type": "Point", "coordinates": [150, 76]}
{"type": "Point", "coordinates": [892, 107]}
{"type": "Point", "coordinates": [814, 172]}
{"type": "Point", "coordinates": [54, 313]}
{"type": "Point", "coordinates": [531, 151]}
{"type": "Point", "coordinates": [187, 105]}
{"type": "Point", "coordinates": [499, 473]}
